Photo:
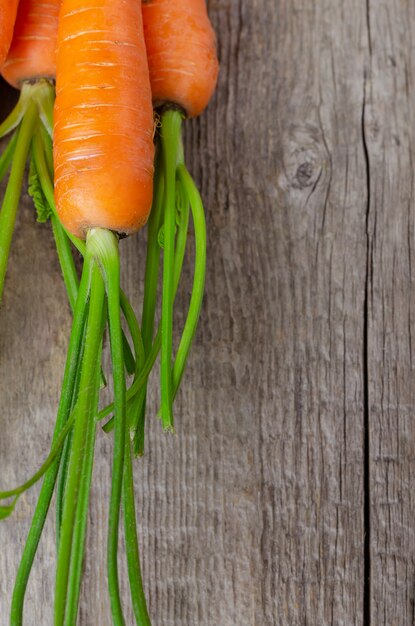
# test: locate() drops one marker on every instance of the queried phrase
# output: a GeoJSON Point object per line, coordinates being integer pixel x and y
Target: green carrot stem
{"type": "Point", "coordinates": [152, 259]}
{"type": "Point", "coordinates": [44, 95]}
{"type": "Point", "coordinates": [14, 118]}
{"type": "Point", "coordinates": [196, 299]}
{"type": "Point", "coordinates": [131, 542]}
{"type": "Point", "coordinates": [70, 276]}
{"type": "Point", "coordinates": [32, 542]}
{"type": "Point", "coordinates": [84, 412]}
{"type": "Point", "coordinates": [78, 547]}
{"type": "Point", "coordinates": [46, 141]}
{"type": "Point", "coordinates": [42, 168]}
{"type": "Point", "coordinates": [41, 153]}
{"type": "Point", "coordinates": [104, 246]}
{"type": "Point", "coordinates": [41, 95]}
{"type": "Point", "coordinates": [181, 239]}
{"type": "Point", "coordinates": [61, 480]}
{"type": "Point", "coordinates": [66, 452]}
{"type": "Point", "coordinates": [144, 373]}
{"type": "Point", "coordinates": [55, 450]}
{"type": "Point", "coordinates": [170, 138]}
{"type": "Point", "coordinates": [42, 148]}
{"type": "Point", "coordinates": [11, 198]}
{"type": "Point", "coordinates": [7, 156]}
{"type": "Point", "coordinates": [134, 328]}
{"type": "Point", "coordinates": [129, 361]}
{"type": "Point", "coordinates": [136, 385]}
{"type": "Point", "coordinates": [137, 408]}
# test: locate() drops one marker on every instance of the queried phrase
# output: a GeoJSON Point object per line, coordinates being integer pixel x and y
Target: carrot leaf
{"type": "Point", "coordinates": [35, 190]}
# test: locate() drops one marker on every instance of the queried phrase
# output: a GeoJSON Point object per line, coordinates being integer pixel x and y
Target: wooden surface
{"type": "Point", "coordinates": [286, 499]}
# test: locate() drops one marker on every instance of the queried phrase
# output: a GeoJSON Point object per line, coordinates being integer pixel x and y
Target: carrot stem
{"type": "Point", "coordinates": [84, 410]}
{"type": "Point", "coordinates": [56, 448]}
{"type": "Point", "coordinates": [44, 95]}
{"type": "Point", "coordinates": [40, 93]}
{"type": "Point", "coordinates": [62, 476]}
{"type": "Point", "coordinates": [42, 507]}
{"type": "Point", "coordinates": [78, 547]}
{"type": "Point", "coordinates": [152, 259]}
{"type": "Point", "coordinates": [196, 299]}
{"type": "Point", "coordinates": [7, 156]}
{"type": "Point", "coordinates": [170, 139]}
{"type": "Point", "coordinates": [182, 221]}
{"type": "Point", "coordinates": [47, 188]}
{"type": "Point", "coordinates": [137, 407]}
{"type": "Point", "coordinates": [131, 542]}
{"type": "Point", "coordinates": [104, 245]}
{"type": "Point", "coordinates": [66, 452]}
{"type": "Point", "coordinates": [12, 195]}
{"type": "Point", "coordinates": [144, 373]}
{"type": "Point", "coordinates": [14, 118]}
{"type": "Point", "coordinates": [70, 276]}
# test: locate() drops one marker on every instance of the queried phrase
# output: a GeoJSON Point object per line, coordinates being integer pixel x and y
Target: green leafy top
{"type": "Point", "coordinates": [42, 207]}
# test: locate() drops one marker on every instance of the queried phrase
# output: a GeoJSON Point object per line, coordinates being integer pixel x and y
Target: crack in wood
{"type": "Point", "coordinates": [366, 426]}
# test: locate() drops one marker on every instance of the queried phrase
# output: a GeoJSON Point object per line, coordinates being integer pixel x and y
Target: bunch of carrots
{"type": "Point", "coordinates": [100, 169]}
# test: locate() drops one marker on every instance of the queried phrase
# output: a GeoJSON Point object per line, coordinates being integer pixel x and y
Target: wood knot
{"type": "Point", "coordinates": [304, 174]}
{"type": "Point", "coordinates": [304, 157]}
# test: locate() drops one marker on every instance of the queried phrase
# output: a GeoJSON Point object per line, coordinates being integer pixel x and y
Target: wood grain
{"type": "Point", "coordinates": [390, 136]}
{"type": "Point", "coordinates": [286, 497]}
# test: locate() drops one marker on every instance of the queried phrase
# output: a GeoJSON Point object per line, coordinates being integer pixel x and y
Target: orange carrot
{"type": "Point", "coordinates": [29, 66]}
{"type": "Point", "coordinates": [8, 10]}
{"type": "Point", "coordinates": [183, 66]}
{"type": "Point", "coordinates": [33, 50]}
{"type": "Point", "coordinates": [103, 132]}
{"type": "Point", "coordinates": [103, 163]}
{"type": "Point", "coordinates": [181, 52]}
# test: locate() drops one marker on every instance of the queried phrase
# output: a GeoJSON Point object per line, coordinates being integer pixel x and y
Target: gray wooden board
{"type": "Point", "coordinates": [285, 498]}
{"type": "Point", "coordinates": [390, 136]}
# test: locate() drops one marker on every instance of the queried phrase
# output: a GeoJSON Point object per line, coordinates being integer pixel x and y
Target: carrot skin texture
{"type": "Point", "coordinates": [103, 132]}
{"type": "Point", "coordinates": [8, 11]}
{"type": "Point", "coordinates": [181, 51]}
{"type": "Point", "coordinates": [32, 52]}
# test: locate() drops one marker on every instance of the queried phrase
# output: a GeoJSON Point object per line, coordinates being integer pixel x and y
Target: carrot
{"type": "Point", "coordinates": [181, 52]}
{"type": "Point", "coordinates": [103, 161]}
{"type": "Point", "coordinates": [32, 52]}
{"type": "Point", "coordinates": [30, 66]}
{"type": "Point", "coordinates": [111, 124]}
{"type": "Point", "coordinates": [8, 10]}
{"type": "Point", "coordinates": [183, 68]}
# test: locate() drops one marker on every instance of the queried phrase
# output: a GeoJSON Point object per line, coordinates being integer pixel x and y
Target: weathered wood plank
{"type": "Point", "coordinates": [390, 136]}
{"type": "Point", "coordinates": [311, 440]}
